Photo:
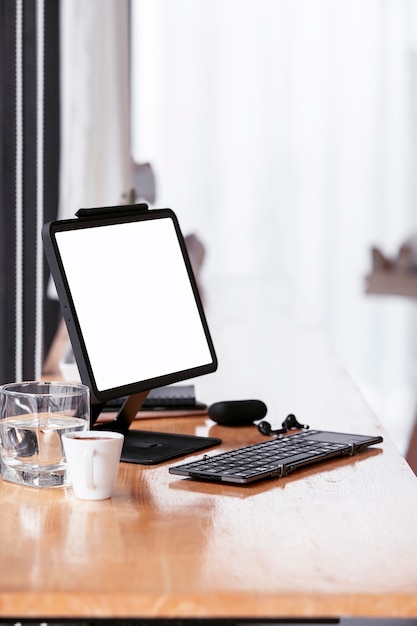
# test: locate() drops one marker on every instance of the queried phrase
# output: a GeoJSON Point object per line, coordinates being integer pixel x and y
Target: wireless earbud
{"type": "Point", "coordinates": [290, 423]}
{"type": "Point", "coordinates": [266, 429]}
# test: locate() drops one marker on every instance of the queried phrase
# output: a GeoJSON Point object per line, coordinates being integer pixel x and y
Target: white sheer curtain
{"type": "Point", "coordinates": [283, 132]}
{"type": "Point", "coordinates": [95, 167]}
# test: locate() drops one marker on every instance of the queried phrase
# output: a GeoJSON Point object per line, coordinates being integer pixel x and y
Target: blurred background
{"type": "Point", "coordinates": [283, 133]}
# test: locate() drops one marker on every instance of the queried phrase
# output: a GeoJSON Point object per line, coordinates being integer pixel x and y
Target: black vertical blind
{"type": "Point", "coordinates": [13, 13]}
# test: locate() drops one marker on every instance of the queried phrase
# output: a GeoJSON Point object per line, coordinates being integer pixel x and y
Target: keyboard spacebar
{"type": "Point", "coordinates": [306, 457]}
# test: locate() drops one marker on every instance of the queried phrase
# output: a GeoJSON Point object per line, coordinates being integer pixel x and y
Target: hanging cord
{"type": "Point", "coordinates": [40, 135]}
{"type": "Point", "coordinates": [19, 193]}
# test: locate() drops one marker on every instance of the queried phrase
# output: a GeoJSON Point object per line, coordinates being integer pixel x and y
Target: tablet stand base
{"type": "Point", "coordinates": [146, 447]}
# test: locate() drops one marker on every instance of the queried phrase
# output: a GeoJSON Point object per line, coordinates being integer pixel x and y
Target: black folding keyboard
{"type": "Point", "coordinates": [274, 458]}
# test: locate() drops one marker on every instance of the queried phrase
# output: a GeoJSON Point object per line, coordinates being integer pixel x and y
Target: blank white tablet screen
{"type": "Point", "coordinates": [134, 302]}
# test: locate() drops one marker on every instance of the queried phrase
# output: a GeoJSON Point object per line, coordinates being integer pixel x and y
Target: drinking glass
{"type": "Point", "coordinates": [33, 417]}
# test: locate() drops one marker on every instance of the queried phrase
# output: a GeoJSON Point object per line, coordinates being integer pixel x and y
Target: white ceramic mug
{"type": "Point", "coordinates": [93, 459]}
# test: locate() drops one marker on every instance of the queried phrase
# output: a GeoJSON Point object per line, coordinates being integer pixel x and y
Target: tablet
{"type": "Point", "coordinates": [129, 299]}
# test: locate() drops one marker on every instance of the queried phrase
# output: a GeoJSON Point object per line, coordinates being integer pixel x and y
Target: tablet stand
{"type": "Point", "coordinates": [124, 417]}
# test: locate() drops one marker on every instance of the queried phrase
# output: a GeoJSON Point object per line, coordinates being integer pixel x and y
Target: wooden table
{"type": "Point", "coordinates": [340, 541]}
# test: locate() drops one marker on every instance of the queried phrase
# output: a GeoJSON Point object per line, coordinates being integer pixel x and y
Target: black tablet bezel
{"type": "Point", "coordinates": [91, 218]}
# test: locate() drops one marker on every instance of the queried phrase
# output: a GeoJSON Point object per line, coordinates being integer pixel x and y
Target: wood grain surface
{"type": "Point", "coordinates": [334, 541]}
